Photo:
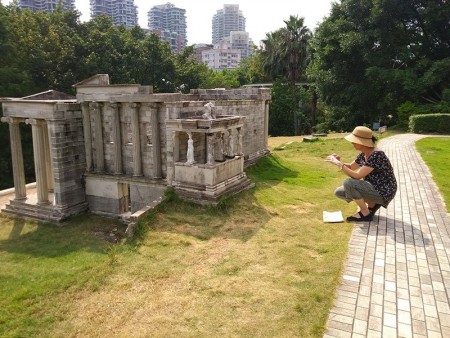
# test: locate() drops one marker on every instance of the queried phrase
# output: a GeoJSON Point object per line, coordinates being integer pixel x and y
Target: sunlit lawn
{"type": "Point", "coordinates": [435, 151]}
{"type": "Point", "coordinates": [261, 264]}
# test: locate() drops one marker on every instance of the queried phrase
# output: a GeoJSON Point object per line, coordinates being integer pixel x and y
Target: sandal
{"type": "Point", "coordinates": [362, 218]}
{"type": "Point", "coordinates": [374, 209]}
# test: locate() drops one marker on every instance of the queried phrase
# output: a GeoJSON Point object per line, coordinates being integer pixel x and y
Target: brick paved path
{"type": "Point", "coordinates": [396, 281]}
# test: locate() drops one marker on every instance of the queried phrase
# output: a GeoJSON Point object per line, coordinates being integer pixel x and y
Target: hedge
{"type": "Point", "coordinates": [430, 123]}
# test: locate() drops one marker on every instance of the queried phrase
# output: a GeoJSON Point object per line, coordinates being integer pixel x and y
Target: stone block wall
{"type": "Point", "coordinates": [68, 157]}
{"type": "Point", "coordinates": [253, 103]}
{"type": "Point", "coordinates": [105, 104]}
{"type": "Point", "coordinates": [107, 197]}
{"type": "Point", "coordinates": [84, 162]}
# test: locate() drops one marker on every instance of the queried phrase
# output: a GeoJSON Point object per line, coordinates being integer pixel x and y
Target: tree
{"type": "Point", "coordinates": [112, 50]}
{"type": "Point", "coordinates": [285, 54]}
{"type": "Point", "coordinates": [250, 70]}
{"type": "Point", "coordinates": [47, 47]}
{"type": "Point", "coordinates": [370, 56]}
{"type": "Point", "coordinates": [226, 78]}
{"type": "Point", "coordinates": [272, 58]}
{"type": "Point", "coordinates": [159, 66]}
{"type": "Point", "coordinates": [14, 80]}
{"type": "Point", "coordinates": [294, 46]}
{"type": "Point", "coordinates": [189, 71]}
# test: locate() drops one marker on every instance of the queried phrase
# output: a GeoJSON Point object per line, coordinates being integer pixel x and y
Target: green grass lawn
{"type": "Point", "coordinates": [261, 264]}
{"type": "Point", "coordinates": [435, 151]}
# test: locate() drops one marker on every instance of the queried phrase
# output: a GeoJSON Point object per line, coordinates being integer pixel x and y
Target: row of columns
{"type": "Point", "coordinates": [226, 145]}
{"type": "Point", "coordinates": [42, 158]}
{"type": "Point", "coordinates": [97, 164]}
{"type": "Point", "coordinates": [16, 157]}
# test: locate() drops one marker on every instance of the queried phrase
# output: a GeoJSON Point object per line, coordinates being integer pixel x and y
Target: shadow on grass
{"type": "Point", "coordinates": [238, 217]}
{"type": "Point", "coordinates": [50, 240]}
{"type": "Point", "coordinates": [235, 217]}
{"type": "Point", "coordinates": [271, 169]}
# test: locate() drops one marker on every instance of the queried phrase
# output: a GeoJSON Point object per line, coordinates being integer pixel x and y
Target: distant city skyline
{"type": "Point", "coordinates": [262, 16]}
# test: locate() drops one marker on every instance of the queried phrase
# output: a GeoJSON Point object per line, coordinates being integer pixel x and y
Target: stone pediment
{"type": "Point", "coordinates": [96, 80]}
{"type": "Point", "coordinates": [49, 95]}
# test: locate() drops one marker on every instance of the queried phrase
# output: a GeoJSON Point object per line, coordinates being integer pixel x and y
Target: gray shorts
{"type": "Point", "coordinates": [354, 189]}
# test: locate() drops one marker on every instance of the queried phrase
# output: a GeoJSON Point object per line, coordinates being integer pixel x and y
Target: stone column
{"type": "Point", "coordinates": [156, 142]}
{"type": "Point", "coordinates": [176, 146]}
{"type": "Point", "coordinates": [240, 147]}
{"type": "Point", "coordinates": [220, 156]}
{"type": "Point", "coordinates": [266, 124]}
{"type": "Point", "coordinates": [231, 143]}
{"type": "Point", "coordinates": [137, 157]}
{"type": "Point", "coordinates": [38, 130]}
{"type": "Point", "coordinates": [17, 157]}
{"type": "Point", "coordinates": [210, 148]}
{"type": "Point", "coordinates": [99, 151]}
{"type": "Point", "coordinates": [87, 134]}
{"type": "Point", "coordinates": [48, 159]}
{"type": "Point", "coordinates": [118, 168]}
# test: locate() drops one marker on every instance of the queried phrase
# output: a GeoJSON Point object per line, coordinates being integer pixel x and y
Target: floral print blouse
{"type": "Point", "coordinates": [382, 176]}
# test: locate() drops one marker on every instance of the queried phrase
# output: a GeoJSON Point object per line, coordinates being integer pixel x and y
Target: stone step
{"type": "Point", "coordinates": [36, 212]}
{"type": "Point", "coordinates": [209, 195]}
{"type": "Point", "coordinates": [28, 206]}
{"type": "Point", "coordinates": [29, 214]}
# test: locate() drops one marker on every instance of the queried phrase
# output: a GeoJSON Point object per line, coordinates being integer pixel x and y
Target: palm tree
{"type": "Point", "coordinates": [294, 47]}
{"type": "Point", "coordinates": [272, 60]}
{"type": "Point", "coordinates": [285, 53]}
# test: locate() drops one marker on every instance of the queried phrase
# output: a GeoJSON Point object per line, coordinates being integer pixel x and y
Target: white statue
{"type": "Point", "coordinates": [190, 150]}
{"type": "Point", "coordinates": [210, 111]}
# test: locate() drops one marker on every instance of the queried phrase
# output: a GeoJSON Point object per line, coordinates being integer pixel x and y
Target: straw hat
{"type": "Point", "coordinates": [361, 135]}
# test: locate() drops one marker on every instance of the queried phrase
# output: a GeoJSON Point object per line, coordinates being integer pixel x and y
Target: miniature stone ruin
{"type": "Point", "coordinates": [114, 149]}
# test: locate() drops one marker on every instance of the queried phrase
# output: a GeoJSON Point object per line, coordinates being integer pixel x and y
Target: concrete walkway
{"type": "Point", "coordinates": [396, 281]}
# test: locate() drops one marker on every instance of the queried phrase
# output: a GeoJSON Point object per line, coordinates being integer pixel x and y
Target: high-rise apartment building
{"type": "Point", "coordinates": [46, 5]}
{"type": "Point", "coordinates": [227, 20]}
{"type": "Point", "coordinates": [169, 22]}
{"type": "Point", "coordinates": [221, 56]}
{"type": "Point", "coordinates": [231, 42]}
{"type": "Point", "coordinates": [242, 42]}
{"type": "Point", "coordinates": [123, 12]}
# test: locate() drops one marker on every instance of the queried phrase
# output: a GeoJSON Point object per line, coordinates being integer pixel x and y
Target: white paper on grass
{"type": "Point", "coordinates": [333, 216]}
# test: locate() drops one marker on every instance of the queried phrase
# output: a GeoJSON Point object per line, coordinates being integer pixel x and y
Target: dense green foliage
{"type": "Point", "coordinates": [371, 56]}
{"type": "Point", "coordinates": [56, 51]}
{"type": "Point", "coordinates": [407, 109]}
{"type": "Point", "coordinates": [430, 123]}
{"type": "Point", "coordinates": [280, 114]}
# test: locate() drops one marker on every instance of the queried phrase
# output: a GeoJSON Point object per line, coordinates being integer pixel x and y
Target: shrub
{"type": "Point", "coordinates": [430, 123]}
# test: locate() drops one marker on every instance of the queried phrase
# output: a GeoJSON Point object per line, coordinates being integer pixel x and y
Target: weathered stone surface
{"type": "Point", "coordinates": [118, 147]}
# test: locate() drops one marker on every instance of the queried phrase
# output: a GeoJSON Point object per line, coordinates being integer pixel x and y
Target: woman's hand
{"type": "Point", "coordinates": [333, 159]}
{"type": "Point", "coordinates": [337, 156]}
